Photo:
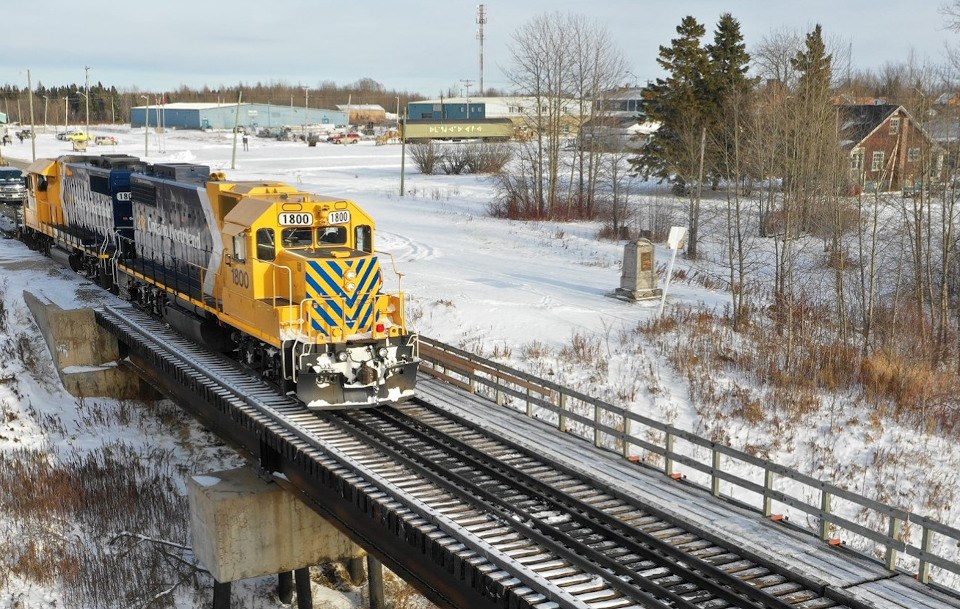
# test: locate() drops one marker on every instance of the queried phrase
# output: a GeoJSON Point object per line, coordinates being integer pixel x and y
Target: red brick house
{"type": "Point", "coordinates": [888, 149]}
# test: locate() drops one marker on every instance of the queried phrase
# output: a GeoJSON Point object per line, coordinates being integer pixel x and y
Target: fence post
{"type": "Point", "coordinates": [714, 478]}
{"type": "Point", "coordinates": [596, 425]}
{"type": "Point", "coordinates": [499, 390]}
{"type": "Point", "coordinates": [767, 487]}
{"type": "Point", "coordinates": [562, 422]}
{"type": "Point", "coordinates": [667, 449]}
{"type": "Point", "coordinates": [923, 573]}
{"type": "Point", "coordinates": [626, 436]}
{"type": "Point", "coordinates": [893, 532]}
{"type": "Point", "coordinates": [529, 404]}
{"type": "Point", "coordinates": [825, 501]}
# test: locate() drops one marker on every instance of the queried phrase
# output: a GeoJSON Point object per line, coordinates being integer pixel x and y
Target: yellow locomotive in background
{"type": "Point", "coordinates": [287, 280]}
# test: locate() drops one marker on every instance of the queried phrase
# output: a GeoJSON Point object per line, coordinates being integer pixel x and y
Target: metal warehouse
{"type": "Point", "coordinates": [224, 116]}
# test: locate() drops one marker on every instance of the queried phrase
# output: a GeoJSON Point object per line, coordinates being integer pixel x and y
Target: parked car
{"type": "Point", "coordinates": [105, 140]}
{"type": "Point", "coordinates": [345, 138]}
{"type": "Point", "coordinates": [73, 136]}
{"type": "Point", "coordinates": [13, 187]}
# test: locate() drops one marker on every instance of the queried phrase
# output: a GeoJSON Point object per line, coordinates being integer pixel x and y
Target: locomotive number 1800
{"type": "Point", "coordinates": [338, 217]}
{"type": "Point", "coordinates": [295, 219]}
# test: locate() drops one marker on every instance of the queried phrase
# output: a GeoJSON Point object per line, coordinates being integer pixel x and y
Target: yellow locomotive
{"type": "Point", "coordinates": [287, 280]}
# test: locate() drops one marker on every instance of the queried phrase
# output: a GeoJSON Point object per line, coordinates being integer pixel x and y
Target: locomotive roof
{"type": "Point", "coordinates": [248, 212]}
{"type": "Point", "coordinates": [41, 166]}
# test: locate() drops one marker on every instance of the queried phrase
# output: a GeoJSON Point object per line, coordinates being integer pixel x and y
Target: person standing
{"type": "Point", "coordinates": [246, 146]}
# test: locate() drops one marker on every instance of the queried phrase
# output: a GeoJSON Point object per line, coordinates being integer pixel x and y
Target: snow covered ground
{"type": "Point", "coordinates": [519, 291]}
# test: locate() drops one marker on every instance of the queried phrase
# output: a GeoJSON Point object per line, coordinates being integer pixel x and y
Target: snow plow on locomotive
{"type": "Point", "coordinates": [286, 280]}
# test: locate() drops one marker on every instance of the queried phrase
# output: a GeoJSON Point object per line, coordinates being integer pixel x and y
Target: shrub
{"type": "Point", "coordinates": [426, 157]}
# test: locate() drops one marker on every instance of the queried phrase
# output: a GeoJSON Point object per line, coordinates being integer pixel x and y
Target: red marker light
{"type": "Point", "coordinates": [380, 327]}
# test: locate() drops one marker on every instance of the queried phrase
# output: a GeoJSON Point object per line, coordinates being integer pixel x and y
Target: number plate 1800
{"type": "Point", "coordinates": [296, 219]}
{"type": "Point", "coordinates": [338, 217]}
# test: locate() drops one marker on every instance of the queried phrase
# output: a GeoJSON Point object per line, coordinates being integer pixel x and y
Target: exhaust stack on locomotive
{"type": "Point", "coordinates": [287, 280]}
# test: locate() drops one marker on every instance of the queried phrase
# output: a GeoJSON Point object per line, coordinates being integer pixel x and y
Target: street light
{"type": "Point", "coordinates": [87, 96]}
{"type": "Point", "coordinates": [146, 127]}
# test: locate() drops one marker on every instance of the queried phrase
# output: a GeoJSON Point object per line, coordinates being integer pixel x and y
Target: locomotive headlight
{"type": "Point", "coordinates": [342, 356]}
{"type": "Point", "coordinates": [382, 352]}
{"type": "Point", "coordinates": [351, 286]}
{"type": "Point", "coordinates": [351, 275]}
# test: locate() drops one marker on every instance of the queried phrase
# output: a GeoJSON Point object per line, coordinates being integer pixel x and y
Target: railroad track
{"type": "Point", "coordinates": [535, 527]}
{"type": "Point", "coordinates": [608, 550]}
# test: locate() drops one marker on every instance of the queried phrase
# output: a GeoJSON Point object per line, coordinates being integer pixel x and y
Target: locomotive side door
{"type": "Point", "coordinates": [237, 279]}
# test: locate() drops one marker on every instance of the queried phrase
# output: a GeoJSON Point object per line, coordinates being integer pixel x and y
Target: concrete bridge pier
{"type": "Point", "coordinates": [243, 526]}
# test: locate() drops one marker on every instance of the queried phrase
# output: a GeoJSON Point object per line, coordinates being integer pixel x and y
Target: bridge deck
{"type": "Point", "coordinates": [800, 552]}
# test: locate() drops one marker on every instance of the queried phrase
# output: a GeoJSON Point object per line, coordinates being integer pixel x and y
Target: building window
{"type": "Point", "coordinates": [895, 125]}
{"type": "Point", "coordinates": [856, 161]}
{"type": "Point", "coordinates": [877, 163]}
{"type": "Point", "coordinates": [913, 155]}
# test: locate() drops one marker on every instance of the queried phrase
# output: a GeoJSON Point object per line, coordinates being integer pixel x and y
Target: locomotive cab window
{"type": "Point", "coordinates": [332, 235]}
{"type": "Point", "coordinates": [297, 238]}
{"type": "Point", "coordinates": [239, 248]}
{"type": "Point", "coordinates": [364, 238]}
{"type": "Point", "coordinates": [266, 244]}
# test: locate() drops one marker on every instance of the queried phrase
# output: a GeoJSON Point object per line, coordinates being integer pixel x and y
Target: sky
{"type": "Point", "coordinates": [423, 47]}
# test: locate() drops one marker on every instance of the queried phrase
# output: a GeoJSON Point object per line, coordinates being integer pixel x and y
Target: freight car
{"type": "Point", "coordinates": [286, 280]}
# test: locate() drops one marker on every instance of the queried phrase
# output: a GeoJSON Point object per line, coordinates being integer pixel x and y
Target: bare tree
{"type": "Point", "coordinates": [563, 63]}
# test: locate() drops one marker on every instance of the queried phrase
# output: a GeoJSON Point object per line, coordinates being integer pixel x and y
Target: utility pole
{"type": "Point", "coordinates": [306, 105]}
{"type": "Point", "coordinates": [466, 85]}
{"type": "Point", "coordinates": [33, 127]}
{"type": "Point", "coordinates": [481, 21]}
{"type": "Point", "coordinates": [87, 96]}
{"type": "Point", "coordinates": [236, 124]}
{"type": "Point", "coordinates": [146, 128]}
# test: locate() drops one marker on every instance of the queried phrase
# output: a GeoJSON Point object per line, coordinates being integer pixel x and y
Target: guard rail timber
{"type": "Point", "coordinates": [619, 430]}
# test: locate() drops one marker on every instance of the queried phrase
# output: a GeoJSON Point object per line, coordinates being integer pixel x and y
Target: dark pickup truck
{"type": "Point", "coordinates": [13, 188]}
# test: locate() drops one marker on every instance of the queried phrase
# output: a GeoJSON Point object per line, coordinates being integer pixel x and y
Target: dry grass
{"type": "Point", "coordinates": [791, 374]}
{"type": "Point", "coordinates": [70, 507]}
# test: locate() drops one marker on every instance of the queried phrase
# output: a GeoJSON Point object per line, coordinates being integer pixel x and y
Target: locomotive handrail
{"type": "Point", "coordinates": [393, 263]}
{"type": "Point", "coordinates": [612, 428]}
{"type": "Point", "coordinates": [400, 296]}
{"type": "Point", "coordinates": [289, 271]}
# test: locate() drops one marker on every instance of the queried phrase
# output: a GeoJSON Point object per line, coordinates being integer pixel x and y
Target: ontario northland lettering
{"type": "Point", "coordinates": [168, 231]}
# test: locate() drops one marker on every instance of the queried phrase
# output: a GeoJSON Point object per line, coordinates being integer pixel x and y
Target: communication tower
{"type": "Point", "coordinates": [481, 21]}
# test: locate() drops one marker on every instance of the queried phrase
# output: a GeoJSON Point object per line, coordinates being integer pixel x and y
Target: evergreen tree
{"type": "Point", "coordinates": [728, 92]}
{"type": "Point", "coordinates": [815, 68]}
{"type": "Point", "coordinates": [729, 61]}
{"type": "Point", "coordinates": [812, 154]}
{"type": "Point", "coordinates": [677, 103]}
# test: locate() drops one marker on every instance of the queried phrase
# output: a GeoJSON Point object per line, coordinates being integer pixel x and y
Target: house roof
{"type": "Point", "coordinates": [858, 121]}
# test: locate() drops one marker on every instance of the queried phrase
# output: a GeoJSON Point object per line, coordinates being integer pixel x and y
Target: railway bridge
{"type": "Point", "coordinates": [495, 489]}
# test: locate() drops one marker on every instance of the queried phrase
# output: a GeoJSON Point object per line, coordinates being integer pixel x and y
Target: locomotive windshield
{"type": "Point", "coordinates": [307, 237]}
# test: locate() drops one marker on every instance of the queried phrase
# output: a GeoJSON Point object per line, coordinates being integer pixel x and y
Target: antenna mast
{"type": "Point", "coordinates": [481, 20]}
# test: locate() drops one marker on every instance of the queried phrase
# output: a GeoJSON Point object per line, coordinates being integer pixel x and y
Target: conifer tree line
{"type": "Point", "coordinates": [66, 104]}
